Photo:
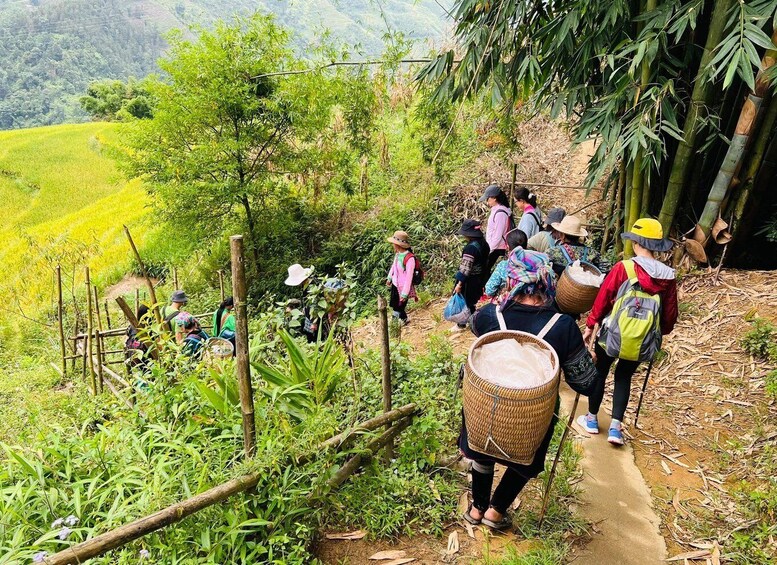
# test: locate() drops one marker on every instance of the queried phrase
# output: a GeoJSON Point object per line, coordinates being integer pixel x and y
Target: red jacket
{"type": "Point", "coordinates": [654, 277]}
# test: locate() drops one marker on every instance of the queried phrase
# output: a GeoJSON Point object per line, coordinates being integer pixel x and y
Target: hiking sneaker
{"type": "Point", "coordinates": [615, 435]}
{"type": "Point", "coordinates": [589, 422]}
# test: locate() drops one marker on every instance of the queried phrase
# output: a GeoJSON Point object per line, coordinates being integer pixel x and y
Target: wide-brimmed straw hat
{"type": "Point", "coordinates": [298, 274]}
{"type": "Point", "coordinates": [648, 233]}
{"type": "Point", "coordinates": [471, 228]}
{"type": "Point", "coordinates": [570, 225]}
{"type": "Point", "coordinates": [400, 238]}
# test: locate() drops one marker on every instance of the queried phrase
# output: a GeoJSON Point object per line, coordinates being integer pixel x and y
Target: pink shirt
{"type": "Point", "coordinates": [498, 224]}
{"type": "Point", "coordinates": [402, 276]}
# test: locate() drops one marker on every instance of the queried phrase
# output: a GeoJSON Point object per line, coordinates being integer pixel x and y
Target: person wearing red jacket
{"type": "Point", "coordinates": [647, 237]}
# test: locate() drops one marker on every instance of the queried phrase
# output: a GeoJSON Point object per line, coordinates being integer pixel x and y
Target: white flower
{"type": "Point", "coordinates": [71, 520]}
{"type": "Point", "coordinates": [57, 523]}
{"type": "Point", "coordinates": [40, 557]}
{"type": "Point", "coordinates": [63, 533]}
{"type": "Point", "coordinates": [145, 554]}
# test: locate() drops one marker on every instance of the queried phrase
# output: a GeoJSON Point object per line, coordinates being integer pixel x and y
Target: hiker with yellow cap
{"type": "Point", "coordinates": [635, 307]}
{"type": "Point", "coordinates": [570, 246]}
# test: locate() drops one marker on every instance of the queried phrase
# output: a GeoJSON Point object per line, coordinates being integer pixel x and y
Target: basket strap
{"type": "Point", "coordinates": [501, 319]}
{"type": "Point", "coordinates": [552, 322]}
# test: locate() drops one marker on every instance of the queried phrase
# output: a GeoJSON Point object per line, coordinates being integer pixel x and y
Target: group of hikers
{"type": "Point", "coordinates": [183, 327]}
{"type": "Point", "coordinates": [512, 270]}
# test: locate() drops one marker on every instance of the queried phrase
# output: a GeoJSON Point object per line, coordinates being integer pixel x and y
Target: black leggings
{"type": "Point", "coordinates": [508, 488]}
{"type": "Point", "coordinates": [396, 304]}
{"type": "Point", "coordinates": [624, 370]}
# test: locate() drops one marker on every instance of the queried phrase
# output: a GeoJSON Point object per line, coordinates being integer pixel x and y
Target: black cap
{"type": "Point", "coordinates": [491, 192]}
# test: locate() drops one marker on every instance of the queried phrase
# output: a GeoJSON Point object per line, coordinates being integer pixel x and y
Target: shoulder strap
{"type": "Point", "coordinates": [534, 215]}
{"type": "Point", "coordinates": [564, 252]}
{"type": "Point", "coordinates": [501, 319]}
{"type": "Point", "coordinates": [631, 271]}
{"type": "Point", "coordinates": [407, 258]}
{"type": "Point", "coordinates": [552, 322]}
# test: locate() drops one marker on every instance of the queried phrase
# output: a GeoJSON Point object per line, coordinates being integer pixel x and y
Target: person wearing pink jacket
{"type": "Point", "coordinates": [400, 276]}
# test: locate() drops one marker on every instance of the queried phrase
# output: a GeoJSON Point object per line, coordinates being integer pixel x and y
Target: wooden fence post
{"type": "Point", "coordinates": [512, 185]}
{"type": "Point", "coordinates": [151, 291]}
{"type": "Point", "coordinates": [137, 302]}
{"type": "Point", "coordinates": [60, 313]}
{"type": "Point", "coordinates": [107, 315]}
{"type": "Point", "coordinates": [90, 333]}
{"type": "Point", "coordinates": [385, 367]}
{"type": "Point", "coordinates": [98, 335]}
{"type": "Point", "coordinates": [221, 284]}
{"type": "Point", "coordinates": [241, 344]}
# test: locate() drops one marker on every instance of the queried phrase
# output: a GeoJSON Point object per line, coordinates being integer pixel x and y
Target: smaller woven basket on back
{"type": "Point", "coordinates": [573, 297]}
{"type": "Point", "coordinates": [508, 423]}
{"type": "Point", "coordinates": [218, 348]}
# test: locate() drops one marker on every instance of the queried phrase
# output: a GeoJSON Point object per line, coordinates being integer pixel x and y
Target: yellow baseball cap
{"type": "Point", "coordinates": [648, 233]}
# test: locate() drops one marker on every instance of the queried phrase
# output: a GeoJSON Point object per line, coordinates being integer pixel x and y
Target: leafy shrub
{"type": "Point", "coordinates": [771, 383]}
{"type": "Point", "coordinates": [761, 341]}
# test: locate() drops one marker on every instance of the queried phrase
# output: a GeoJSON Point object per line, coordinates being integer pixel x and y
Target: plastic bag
{"type": "Point", "coordinates": [456, 310]}
{"type": "Point", "coordinates": [580, 275]}
{"type": "Point", "coordinates": [510, 364]}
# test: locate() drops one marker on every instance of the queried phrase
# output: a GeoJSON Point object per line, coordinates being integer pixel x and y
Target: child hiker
{"type": "Point", "coordinates": [400, 276]}
{"type": "Point", "coordinates": [635, 307]}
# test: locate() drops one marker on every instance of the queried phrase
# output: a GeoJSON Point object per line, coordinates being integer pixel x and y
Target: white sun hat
{"type": "Point", "coordinates": [298, 274]}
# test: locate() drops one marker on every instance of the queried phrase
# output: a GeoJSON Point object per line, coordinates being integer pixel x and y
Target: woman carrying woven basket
{"type": "Point", "coordinates": [571, 247]}
{"type": "Point", "coordinates": [529, 309]}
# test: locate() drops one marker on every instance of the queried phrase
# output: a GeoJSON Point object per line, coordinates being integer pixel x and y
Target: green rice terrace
{"type": "Point", "coordinates": [251, 312]}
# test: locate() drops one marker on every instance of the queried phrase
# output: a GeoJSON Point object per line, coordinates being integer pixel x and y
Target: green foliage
{"type": "Point", "coordinates": [761, 341]}
{"type": "Point", "coordinates": [771, 383]}
{"type": "Point", "coordinates": [114, 100]}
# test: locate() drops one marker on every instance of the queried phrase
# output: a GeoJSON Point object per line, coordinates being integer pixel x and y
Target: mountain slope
{"type": "Point", "coordinates": [51, 49]}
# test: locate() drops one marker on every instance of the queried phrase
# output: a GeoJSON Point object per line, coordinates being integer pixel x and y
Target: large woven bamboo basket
{"type": "Point", "coordinates": [503, 422]}
{"type": "Point", "coordinates": [573, 297]}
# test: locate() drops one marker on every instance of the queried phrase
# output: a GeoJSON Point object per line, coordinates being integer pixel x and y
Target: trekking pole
{"type": "Point", "coordinates": [642, 393]}
{"type": "Point", "coordinates": [546, 496]}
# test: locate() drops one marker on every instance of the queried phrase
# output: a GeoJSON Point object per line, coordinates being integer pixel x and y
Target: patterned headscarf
{"type": "Point", "coordinates": [531, 272]}
{"type": "Point", "coordinates": [186, 321]}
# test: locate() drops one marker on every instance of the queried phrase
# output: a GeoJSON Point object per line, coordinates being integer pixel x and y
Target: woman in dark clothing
{"type": "Point", "coordinates": [529, 309]}
{"type": "Point", "coordinates": [473, 269]}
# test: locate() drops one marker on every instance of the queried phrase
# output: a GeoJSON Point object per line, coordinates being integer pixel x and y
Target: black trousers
{"type": "Point", "coordinates": [508, 488]}
{"type": "Point", "coordinates": [624, 370]}
{"type": "Point", "coordinates": [396, 304]}
{"type": "Point", "coordinates": [493, 257]}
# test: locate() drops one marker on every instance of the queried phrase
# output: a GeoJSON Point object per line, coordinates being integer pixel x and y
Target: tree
{"type": "Point", "coordinates": [225, 128]}
{"type": "Point", "coordinates": [648, 80]}
{"type": "Point", "coordinates": [114, 100]}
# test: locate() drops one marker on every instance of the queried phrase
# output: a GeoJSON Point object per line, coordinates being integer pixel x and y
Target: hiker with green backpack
{"type": "Point", "coordinates": [635, 307]}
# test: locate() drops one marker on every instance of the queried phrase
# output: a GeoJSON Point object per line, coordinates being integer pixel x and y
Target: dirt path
{"type": "Point", "coordinates": [615, 500]}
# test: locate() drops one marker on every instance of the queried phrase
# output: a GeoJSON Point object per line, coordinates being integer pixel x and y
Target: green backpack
{"type": "Point", "coordinates": [632, 331]}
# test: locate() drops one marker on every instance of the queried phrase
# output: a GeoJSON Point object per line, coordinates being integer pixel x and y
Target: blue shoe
{"type": "Point", "coordinates": [615, 435]}
{"type": "Point", "coordinates": [589, 422]}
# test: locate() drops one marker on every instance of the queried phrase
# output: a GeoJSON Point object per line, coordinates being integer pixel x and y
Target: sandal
{"type": "Point", "coordinates": [504, 524]}
{"type": "Point", "coordinates": [468, 517]}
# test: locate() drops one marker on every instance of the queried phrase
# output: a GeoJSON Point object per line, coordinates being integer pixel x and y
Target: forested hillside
{"type": "Point", "coordinates": [51, 49]}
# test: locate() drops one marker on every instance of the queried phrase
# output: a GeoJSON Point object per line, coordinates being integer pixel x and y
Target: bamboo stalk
{"type": "Point", "coordinates": [175, 513]}
{"type": "Point", "coordinates": [703, 92]}
{"type": "Point", "coordinates": [100, 357]}
{"type": "Point", "coordinates": [512, 184]}
{"type": "Point", "coordinates": [90, 332]}
{"type": "Point", "coordinates": [151, 291]}
{"type": "Point", "coordinates": [175, 278]}
{"type": "Point", "coordinates": [385, 366]}
{"type": "Point", "coordinates": [241, 344]}
{"type": "Point", "coordinates": [60, 314]}
{"type": "Point", "coordinates": [107, 315]}
{"type": "Point", "coordinates": [137, 303]}
{"type": "Point", "coordinates": [731, 162]}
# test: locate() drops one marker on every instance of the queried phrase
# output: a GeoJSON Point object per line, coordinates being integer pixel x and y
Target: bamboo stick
{"type": "Point", "coordinates": [60, 314]}
{"type": "Point", "coordinates": [221, 284]}
{"type": "Point", "coordinates": [137, 303]}
{"type": "Point", "coordinates": [175, 278]}
{"type": "Point", "coordinates": [385, 365]}
{"type": "Point", "coordinates": [512, 184]}
{"type": "Point", "coordinates": [115, 332]}
{"type": "Point", "coordinates": [107, 315]}
{"type": "Point", "coordinates": [100, 357]}
{"type": "Point", "coordinates": [241, 344]}
{"type": "Point", "coordinates": [90, 332]}
{"type": "Point", "coordinates": [151, 291]}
